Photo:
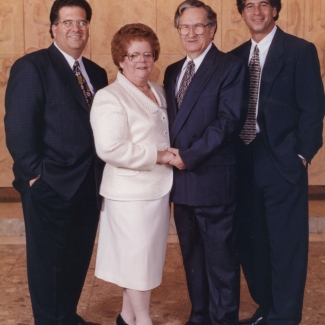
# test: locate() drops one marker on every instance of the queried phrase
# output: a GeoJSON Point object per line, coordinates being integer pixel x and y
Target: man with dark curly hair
{"type": "Point", "coordinates": [281, 135]}
{"type": "Point", "coordinates": [56, 169]}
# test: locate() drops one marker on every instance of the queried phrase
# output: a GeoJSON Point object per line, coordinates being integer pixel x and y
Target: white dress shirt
{"type": "Point", "coordinates": [263, 47]}
{"type": "Point", "coordinates": [71, 62]}
{"type": "Point", "coordinates": [197, 63]}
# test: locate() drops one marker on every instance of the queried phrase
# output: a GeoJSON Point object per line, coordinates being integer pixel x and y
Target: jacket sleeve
{"type": "Point", "coordinates": [113, 143]}
{"type": "Point", "coordinates": [24, 102]}
{"type": "Point", "coordinates": [232, 108]}
{"type": "Point", "coordinates": [311, 102]}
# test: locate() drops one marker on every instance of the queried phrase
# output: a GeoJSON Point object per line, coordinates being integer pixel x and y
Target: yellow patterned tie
{"type": "Point", "coordinates": [83, 84]}
{"type": "Point", "coordinates": [248, 133]}
{"type": "Point", "coordinates": [188, 76]}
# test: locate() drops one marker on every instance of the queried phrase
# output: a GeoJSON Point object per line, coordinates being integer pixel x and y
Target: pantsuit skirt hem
{"type": "Point", "coordinates": [123, 283]}
{"type": "Point", "coordinates": [132, 242]}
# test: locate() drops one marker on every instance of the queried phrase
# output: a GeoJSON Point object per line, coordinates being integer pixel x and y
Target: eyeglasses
{"type": "Point", "coordinates": [135, 56]}
{"type": "Point", "coordinates": [198, 29]}
{"type": "Point", "coordinates": [68, 24]}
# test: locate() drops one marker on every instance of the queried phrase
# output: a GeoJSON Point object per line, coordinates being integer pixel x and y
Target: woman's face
{"type": "Point", "coordinates": [138, 72]}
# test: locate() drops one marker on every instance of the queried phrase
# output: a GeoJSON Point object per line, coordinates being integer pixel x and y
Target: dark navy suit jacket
{"type": "Point", "coordinates": [291, 104]}
{"type": "Point", "coordinates": [47, 122]}
{"type": "Point", "coordinates": [206, 127]}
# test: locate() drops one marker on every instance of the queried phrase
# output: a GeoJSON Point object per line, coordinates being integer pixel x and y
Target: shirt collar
{"type": "Point", "coordinates": [197, 61]}
{"type": "Point", "coordinates": [69, 58]}
{"type": "Point", "coordinates": [265, 43]}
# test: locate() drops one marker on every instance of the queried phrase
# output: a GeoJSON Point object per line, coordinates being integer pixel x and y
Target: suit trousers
{"type": "Point", "coordinates": [273, 234]}
{"type": "Point", "coordinates": [206, 236]}
{"type": "Point", "coordinates": [59, 242]}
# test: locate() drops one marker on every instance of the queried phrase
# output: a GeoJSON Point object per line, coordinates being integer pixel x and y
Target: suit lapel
{"type": "Point", "coordinates": [66, 74]}
{"type": "Point", "coordinates": [173, 103]}
{"type": "Point", "coordinates": [272, 66]}
{"type": "Point", "coordinates": [93, 76]}
{"type": "Point", "coordinates": [200, 79]}
{"type": "Point", "coordinates": [245, 51]}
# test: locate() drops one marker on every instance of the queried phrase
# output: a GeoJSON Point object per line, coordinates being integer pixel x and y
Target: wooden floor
{"type": "Point", "coordinates": [101, 302]}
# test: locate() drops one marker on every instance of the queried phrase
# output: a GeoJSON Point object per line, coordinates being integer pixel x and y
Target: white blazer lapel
{"type": "Point", "coordinates": [142, 100]}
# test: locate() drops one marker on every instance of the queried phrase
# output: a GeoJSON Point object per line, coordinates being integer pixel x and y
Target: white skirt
{"type": "Point", "coordinates": [132, 242]}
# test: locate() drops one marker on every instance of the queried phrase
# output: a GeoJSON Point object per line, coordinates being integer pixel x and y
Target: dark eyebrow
{"type": "Point", "coordinates": [262, 2]}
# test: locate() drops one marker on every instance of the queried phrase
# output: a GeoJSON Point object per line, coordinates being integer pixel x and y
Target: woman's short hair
{"type": "Point", "coordinates": [274, 4]}
{"type": "Point", "coordinates": [133, 32]}
{"type": "Point", "coordinates": [211, 15]}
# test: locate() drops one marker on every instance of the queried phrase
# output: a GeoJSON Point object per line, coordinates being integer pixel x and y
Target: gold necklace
{"type": "Point", "coordinates": [144, 91]}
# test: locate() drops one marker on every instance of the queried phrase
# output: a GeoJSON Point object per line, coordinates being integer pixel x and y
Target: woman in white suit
{"type": "Point", "coordinates": [130, 126]}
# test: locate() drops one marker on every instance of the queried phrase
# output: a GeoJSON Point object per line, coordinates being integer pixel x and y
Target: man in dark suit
{"type": "Point", "coordinates": [56, 170]}
{"type": "Point", "coordinates": [206, 101]}
{"type": "Point", "coordinates": [284, 132]}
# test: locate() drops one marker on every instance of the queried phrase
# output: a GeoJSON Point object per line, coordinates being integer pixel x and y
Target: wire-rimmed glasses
{"type": "Point", "coordinates": [135, 56]}
{"type": "Point", "coordinates": [198, 29]}
{"type": "Point", "coordinates": [68, 24]}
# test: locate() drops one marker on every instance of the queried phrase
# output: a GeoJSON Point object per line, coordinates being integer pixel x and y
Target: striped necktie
{"type": "Point", "coordinates": [248, 133]}
{"type": "Point", "coordinates": [83, 84]}
{"type": "Point", "coordinates": [188, 76]}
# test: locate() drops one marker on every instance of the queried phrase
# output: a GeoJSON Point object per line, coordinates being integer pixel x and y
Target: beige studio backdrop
{"type": "Point", "coordinates": [24, 26]}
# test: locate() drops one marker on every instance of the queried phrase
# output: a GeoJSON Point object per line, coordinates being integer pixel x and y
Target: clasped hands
{"type": "Point", "coordinates": [171, 157]}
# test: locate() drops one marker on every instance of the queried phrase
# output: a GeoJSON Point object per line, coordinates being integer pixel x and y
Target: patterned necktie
{"type": "Point", "coordinates": [83, 84]}
{"type": "Point", "coordinates": [188, 76]}
{"type": "Point", "coordinates": [248, 133]}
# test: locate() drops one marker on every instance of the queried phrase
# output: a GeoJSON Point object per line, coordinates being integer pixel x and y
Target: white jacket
{"type": "Point", "coordinates": [128, 129]}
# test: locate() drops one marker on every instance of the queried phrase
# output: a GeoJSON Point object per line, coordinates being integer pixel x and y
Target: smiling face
{"type": "Point", "coordinates": [193, 44]}
{"type": "Point", "coordinates": [258, 16]}
{"type": "Point", "coordinates": [137, 72]}
{"type": "Point", "coordinates": [73, 41]}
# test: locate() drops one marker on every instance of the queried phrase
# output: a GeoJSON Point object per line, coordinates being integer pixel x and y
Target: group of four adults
{"type": "Point", "coordinates": [239, 130]}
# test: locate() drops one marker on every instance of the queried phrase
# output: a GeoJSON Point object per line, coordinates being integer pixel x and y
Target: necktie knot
{"type": "Point", "coordinates": [191, 64]}
{"type": "Point", "coordinates": [76, 68]}
{"type": "Point", "coordinates": [255, 60]}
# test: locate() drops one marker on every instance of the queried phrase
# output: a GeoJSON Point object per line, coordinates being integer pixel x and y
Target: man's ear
{"type": "Point", "coordinates": [212, 29]}
{"type": "Point", "coordinates": [243, 16]}
{"type": "Point", "coordinates": [54, 28]}
{"type": "Point", "coordinates": [275, 11]}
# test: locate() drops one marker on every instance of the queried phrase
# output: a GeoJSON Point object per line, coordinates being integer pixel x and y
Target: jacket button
{"type": "Point", "coordinates": [194, 136]}
{"type": "Point", "coordinates": [198, 116]}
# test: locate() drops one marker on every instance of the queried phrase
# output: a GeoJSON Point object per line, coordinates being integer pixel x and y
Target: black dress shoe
{"type": "Point", "coordinates": [256, 319]}
{"type": "Point", "coordinates": [81, 321]}
{"type": "Point", "coordinates": [120, 320]}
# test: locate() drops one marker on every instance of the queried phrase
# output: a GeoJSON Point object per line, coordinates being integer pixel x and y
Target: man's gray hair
{"type": "Point", "coordinates": [211, 15]}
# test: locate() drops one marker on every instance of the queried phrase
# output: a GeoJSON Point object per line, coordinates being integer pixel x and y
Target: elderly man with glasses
{"type": "Point", "coordinates": [57, 172]}
{"type": "Point", "coordinates": [207, 105]}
